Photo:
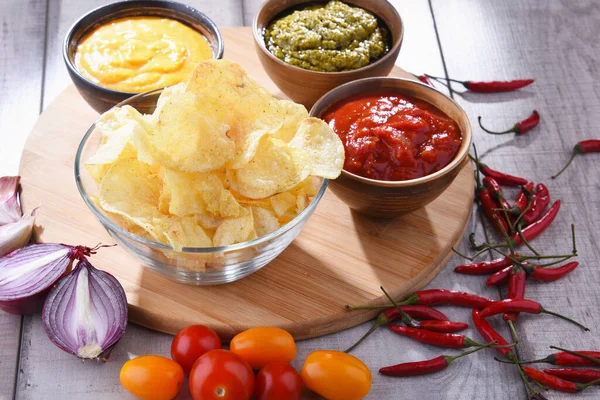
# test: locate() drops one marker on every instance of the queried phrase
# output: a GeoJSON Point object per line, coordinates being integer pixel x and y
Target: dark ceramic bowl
{"type": "Point", "coordinates": [100, 98]}
{"type": "Point", "coordinates": [387, 199]}
{"type": "Point", "coordinates": [305, 86]}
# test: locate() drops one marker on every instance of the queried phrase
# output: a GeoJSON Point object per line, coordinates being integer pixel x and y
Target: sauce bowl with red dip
{"type": "Point", "coordinates": [404, 143]}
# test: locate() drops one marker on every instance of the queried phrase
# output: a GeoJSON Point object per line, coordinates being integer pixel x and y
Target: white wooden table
{"type": "Point", "coordinates": [553, 41]}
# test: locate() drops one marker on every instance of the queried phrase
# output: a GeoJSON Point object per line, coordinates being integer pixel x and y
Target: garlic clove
{"type": "Point", "coordinates": [10, 208]}
{"type": "Point", "coordinates": [15, 235]}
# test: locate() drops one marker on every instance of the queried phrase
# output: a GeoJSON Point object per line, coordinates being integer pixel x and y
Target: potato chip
{"type": "Point", "coordinates": [275, 168]}
{"type": "Point", "coordinates": [229, 206]}
{"type": "Point", "coordinates": [322, 146]}
{"type": "Point", "coordinates": [182, 232]}
{"type": "Point", "coordinates": [282, 202]}
{"type": "Point", "coordinates": [131, 190]}
{"type": "Point", "coordinates": [233, 230]}
{"type": "Point", "coordinates": [187, 139]}
{"type": "Point", "coordinates": [264, 221]}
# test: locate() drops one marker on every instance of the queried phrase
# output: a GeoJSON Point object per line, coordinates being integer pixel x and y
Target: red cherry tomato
{"type": "Point", "coordinates": [278, 380]}
{"type": "Point", "coordinates": [192, 342]}
{"type": "Point", "coordinates": [221, 375]}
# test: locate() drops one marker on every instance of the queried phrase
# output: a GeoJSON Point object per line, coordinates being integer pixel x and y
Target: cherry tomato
{"type": "Point", "coordinates": [336, 375]}
{"type": "Point", "coordinates": [221, 375]}
{"type": "Point", "coordinates": [192, 342]}
{"type": "Point", "coordinates": [277, 381]}
{"type": "Point", "coordinates": [152, 377]}
{"type": "Point", "coordinates": [263, 345]}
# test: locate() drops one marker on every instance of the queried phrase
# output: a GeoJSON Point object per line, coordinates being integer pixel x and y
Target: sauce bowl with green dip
{"type": "Point", "coordinates": [309, 48]}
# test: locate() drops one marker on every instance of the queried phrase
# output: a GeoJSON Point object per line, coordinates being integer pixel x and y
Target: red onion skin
{"type": "Point", "coordinates": [31, 304]}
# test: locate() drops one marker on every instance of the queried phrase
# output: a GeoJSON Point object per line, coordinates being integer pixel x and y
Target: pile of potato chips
{"type": "Point", "coordinates": [220, 161]}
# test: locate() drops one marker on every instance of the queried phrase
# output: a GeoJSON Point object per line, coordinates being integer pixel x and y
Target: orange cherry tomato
{"type": "Point", "coordinates": [277, 381]}
{"type": "Point", "coordinates": [336, 375]}
{"type": "Point", "coordinates": [221, 375]}
{"type": "Point", "coordinates": [263, 345]}
{"type": "Point", "coordinates": [152, 377]}
{"type": "Point", "coordinates": [192, 342]}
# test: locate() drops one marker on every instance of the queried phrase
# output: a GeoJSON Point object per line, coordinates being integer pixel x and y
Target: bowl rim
{"type": "Point", "coordinates": [163, 246]}
{"type": "Point", "coordinates": [259, 40]}
{"type": "Point", "coordinates": [189, 10]}
{"type": "Point", "coordinates": [456, 161]}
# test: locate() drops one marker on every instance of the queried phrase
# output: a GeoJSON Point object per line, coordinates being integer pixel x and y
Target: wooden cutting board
{"type": "Point", "coordinates": [339, 258]}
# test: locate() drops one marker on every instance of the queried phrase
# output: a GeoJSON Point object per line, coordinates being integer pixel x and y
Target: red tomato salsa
{"type": "Point", "coordinates": [392, 137]}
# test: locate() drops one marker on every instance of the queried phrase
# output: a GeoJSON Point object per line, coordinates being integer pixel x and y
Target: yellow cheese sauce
{"type": "Point", "coordinates": [140, 54]}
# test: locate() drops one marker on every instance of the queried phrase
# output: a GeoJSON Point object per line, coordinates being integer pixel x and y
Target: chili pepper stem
{"type": "Point", "coordinates": [380, 321]}
{"type": "Point", "coordinates": [407, 319]}
{"type": "Point", "coordinates": [520, 232]}
{"type": "Point", "coordinates": [544, 311]}
{"type": "Point", "coordinates": [511, 130]}
{"type": "Point", "coordinates": [585, 386]}
{"type": "Point", "coordinates": [573, 238]}
{"type": "Point", "coordinates": [594, 359]}
{"type": "Point", "coordinates": [465, 353]}
{"type": "Point", "coordinates": [575, 153]}
{"type": "Point", "coordinates": [458, 253]}
{"type": "Point", "coordinates": [514, 332]}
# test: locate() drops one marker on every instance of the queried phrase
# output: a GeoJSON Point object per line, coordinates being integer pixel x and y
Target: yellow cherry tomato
{"type": "Point", "coordinates": [336, 375]}
{"type": "Point", "coordinates": [152, 377]}
{"type": "Point", "coordinates": [263, 345]}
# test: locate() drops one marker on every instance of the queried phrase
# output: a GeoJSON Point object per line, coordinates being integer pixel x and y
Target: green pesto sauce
{"type": "Point", "coordinates": [330, 37]}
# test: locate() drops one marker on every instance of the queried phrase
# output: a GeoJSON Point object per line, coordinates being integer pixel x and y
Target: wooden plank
{"type": "Point", "coordinates": [63, 13]}
{"type": "Point", "coordinates": [22, 29]}
{"type": "Point", "coordinates": [506, 40]}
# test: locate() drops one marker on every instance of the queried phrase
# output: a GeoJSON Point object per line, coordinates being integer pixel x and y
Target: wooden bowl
{"type": "Point", "coordinates": [100, 98]}
{"type": "Point", "coordinates": [388, 199]}
{"type": "Point", "coordinates": [306, 86]}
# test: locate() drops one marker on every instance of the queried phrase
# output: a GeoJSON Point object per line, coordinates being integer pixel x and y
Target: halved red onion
{"type": "Point", "coordinates": [27, 273]}
{"type": "Point", "coordinates": [10, 209]}
{"type": "Point", "coordinates": [85, 314]}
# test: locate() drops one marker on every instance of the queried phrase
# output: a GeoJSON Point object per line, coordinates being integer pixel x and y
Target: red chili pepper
{"type": "Point", "coordinates": [423, 367]}
{"type": "Point", "coordinates": [451, 340]}
{"type": "Point", "coordinates": [488, 333]}
{"type": "Point", "coordinates": [532, 231]}
{"type": "Point", "coordinates": [496, 191]}
{"type": "Point", "coordinates": [499, 277]}
{"type": "Point", "coordinates": [551, 274]}
{"type": "Point", "coordinates": [522, 200]}
{"type": "Point", "coordinates": [434, 297]}
{"type": "Point", "coordinates": [416, 368]}
{"type": "Point", "coordinates": [584, 375]}
{"type": "Point", "coordinates": [489, 86]}
{"type": "Point", "coordinates": [539, 203]}
{"type": "Point", "coordinates": [516, 289]}
{"type": "Point", "coordinates": [392, 314]}
{"type": "Point", "coordinates": [442, 326]}
{"type": "Point", "coordinates": [585, 146]}
{"type": "Point", "coordinates": [419, 312]}
{"type": "Point", "coordinates": [484, 267]}
{"type": "Point", "coordinates": [424, 79]}
{"type": "Point", "coordinates": [520, 127]}
{"type": "Point", "coordinates": [522, 305]}
{"type": "Point", "coordinates": [496, 86]}
{"type": "Point", "coordinates": [564, 358]}
{"type": "Point", "coordinates": [552, 382]}
{"type": "Point", "coordinates": [489, 208]}
{"type": "Point", "coordinates": [500, 177]}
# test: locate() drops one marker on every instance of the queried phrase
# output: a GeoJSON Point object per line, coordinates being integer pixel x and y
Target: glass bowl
{"type": "Point", "coordinates": [191, 265]}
